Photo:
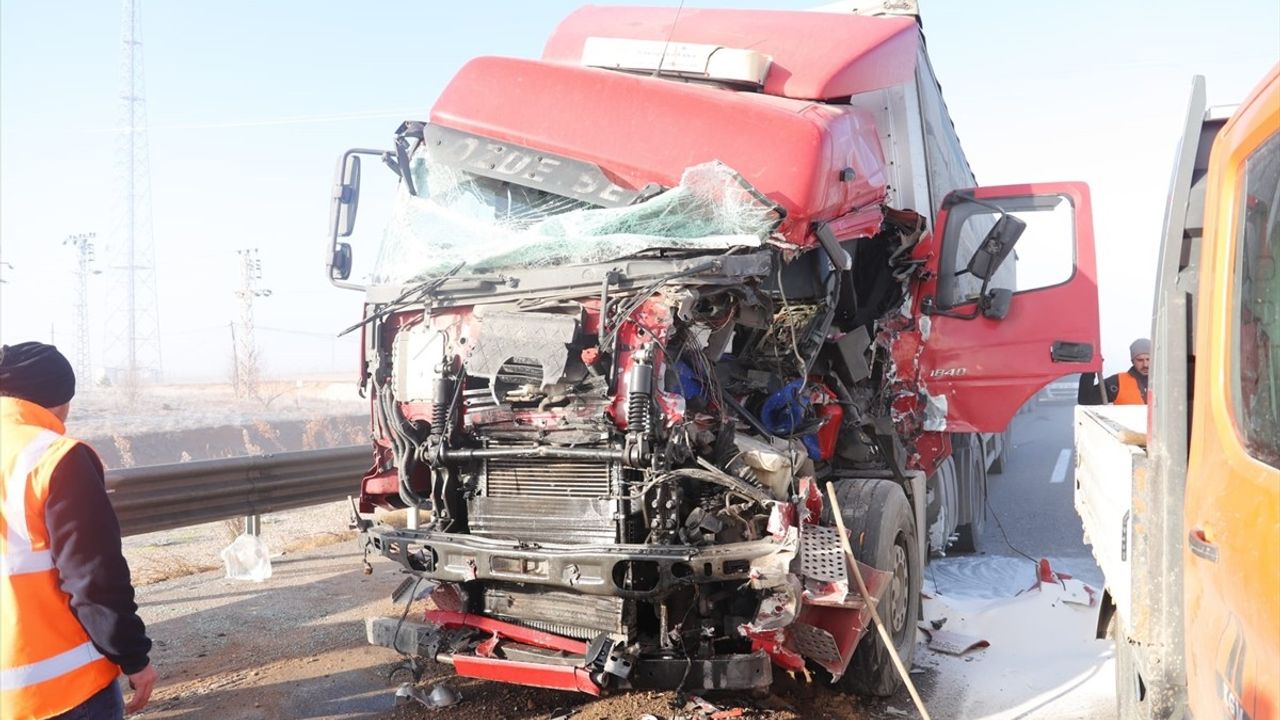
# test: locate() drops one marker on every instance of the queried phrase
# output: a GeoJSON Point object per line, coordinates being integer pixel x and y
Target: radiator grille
{"type": "Point", "coordinates": [515, 477]}
{"type": "Point", "coordinates": [563, 613]}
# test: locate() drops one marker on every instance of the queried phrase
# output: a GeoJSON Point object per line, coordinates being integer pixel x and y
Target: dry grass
{"type": "Point", "coordinates": [318, 540]}
{"type": "Point", "coordinates": [270, 433]}
{"type": "Point", "coordinates": [352, 432]}
{"type": "Point", "coordinates": [250, 448]}
{"type": "Point", "coordinates": [232, 528]}
{"type": "Point", "coordinates": [168, 567]}
{"type": "Point", "coordinates": [124, 446]}
{"type": "Point", "coordinates": [315, 435]}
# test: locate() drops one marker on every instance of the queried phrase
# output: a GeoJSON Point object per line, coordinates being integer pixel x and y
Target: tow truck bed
{"type": "Point", "coordinates": [1111, 456]}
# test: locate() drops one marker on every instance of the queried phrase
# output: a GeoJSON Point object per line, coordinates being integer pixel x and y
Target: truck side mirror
{"type": "Point", "coordinates": [340, 269]}
{"type": "Point", "coordinates": [995, 304]}
{"type": "Point", "coordinates": [995, 247]}
{"type": "Point", "coordinates": [346, 195]}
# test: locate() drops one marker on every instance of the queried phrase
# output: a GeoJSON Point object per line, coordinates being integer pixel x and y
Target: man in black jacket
{"type": "Point", "coordinates": [1127, 388]}
{"type": "Point", "coordinates": [36, 384]}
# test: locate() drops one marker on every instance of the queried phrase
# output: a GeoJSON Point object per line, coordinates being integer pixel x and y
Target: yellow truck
{"type": "Point", "coordinates": [1181, 499]}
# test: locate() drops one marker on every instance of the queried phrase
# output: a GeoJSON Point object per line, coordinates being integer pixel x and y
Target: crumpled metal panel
{"type": "Point", "coordinates": [503, 335]}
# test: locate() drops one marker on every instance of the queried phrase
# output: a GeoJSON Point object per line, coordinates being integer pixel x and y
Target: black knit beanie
{"type": "Point", "coordinates": [36, 372]}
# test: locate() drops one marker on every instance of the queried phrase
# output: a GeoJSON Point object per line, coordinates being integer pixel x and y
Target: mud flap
{"type": "Point", "coordinates": [832, 620]}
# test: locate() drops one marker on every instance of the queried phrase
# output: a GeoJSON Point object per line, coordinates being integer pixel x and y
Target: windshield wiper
{"type": "Point", "coordinates": [417, 292]}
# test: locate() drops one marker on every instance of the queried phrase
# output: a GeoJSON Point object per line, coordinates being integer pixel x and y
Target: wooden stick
{"type": "Point", "coordinates": [871, 604]}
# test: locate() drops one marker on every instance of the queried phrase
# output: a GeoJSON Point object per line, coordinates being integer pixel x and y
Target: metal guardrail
{"type": "Point", "coordinates": [164, 497]}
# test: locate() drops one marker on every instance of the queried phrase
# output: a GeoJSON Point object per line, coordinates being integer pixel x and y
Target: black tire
{"type": "Point", "coordinates": [1127, 707]}
{"type": "Point", "coordinates": [1006, 441]}
{"type": "Point", "coordinates": [882, 533]}
{"type": "Point", "coordinates": [974, 461]}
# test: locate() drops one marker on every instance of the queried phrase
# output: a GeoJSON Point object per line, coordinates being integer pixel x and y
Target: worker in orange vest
{"type": "Point", "coordinates": [69, 625]}
{"type": "Point", "coordinates": [1126, 388]}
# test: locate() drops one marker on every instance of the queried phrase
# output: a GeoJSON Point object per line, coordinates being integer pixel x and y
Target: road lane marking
{"type": "Point", "coordinates": [1060, 470]}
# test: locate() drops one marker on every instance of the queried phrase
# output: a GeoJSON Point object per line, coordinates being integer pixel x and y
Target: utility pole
{"type": "Point", "coordinates": [235, 361]}
{"type": "Point", "coordinates": [133, 322]}
{"type": "Point", "coordinates": [247, 356]}
{"type": "Point", "coordinates": [83, 245]}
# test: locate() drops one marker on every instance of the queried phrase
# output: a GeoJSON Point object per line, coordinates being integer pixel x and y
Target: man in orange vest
{"type": "Point", "coordinates": [1126, 388]}
{"type": "Point", "coordinates": [69, 625]}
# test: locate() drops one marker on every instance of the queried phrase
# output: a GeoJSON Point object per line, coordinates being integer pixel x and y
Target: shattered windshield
{"type": "Point", "coordinates": [491, 225]}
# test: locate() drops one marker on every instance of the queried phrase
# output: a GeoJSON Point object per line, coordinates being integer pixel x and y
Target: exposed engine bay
{"type": "Point", "coordinates": [623, 460]}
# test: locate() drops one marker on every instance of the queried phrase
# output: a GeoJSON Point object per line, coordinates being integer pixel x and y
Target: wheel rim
{"type": "Point", "coordinates": [898, 590]}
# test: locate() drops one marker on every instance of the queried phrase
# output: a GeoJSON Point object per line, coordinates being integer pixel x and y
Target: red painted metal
{"type": "Point", "coordinates": [813, 503]}
{"type": "Point", "coordinates": [858, 223]}
{"type": "Point", "coordinates": [1045, 573]}
{"type": "Point", "coordinates": [773, 643]}
{"type": "Point", "coordinates": [818, 56]}
{"type": "Point", "coordinates": [487, 648]}
{"type": "Point", "coordinates": [790, 150]}
{"type": "Point", "coordinates": [519, 633]}
{"type": "Point", "coordinates": [832, 415]}
{"type": "Point", "coordinates": [555, 677]}
{"type": "Point", "coordinates": [847, 624]}
{"type": "Point", "coordinates": [651, 322]}
{"type": "Point", "coordinates": [986, 369]}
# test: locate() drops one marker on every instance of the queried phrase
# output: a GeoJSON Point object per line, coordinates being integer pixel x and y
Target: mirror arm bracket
{"type": "Point", "coordinates": [928, 308]}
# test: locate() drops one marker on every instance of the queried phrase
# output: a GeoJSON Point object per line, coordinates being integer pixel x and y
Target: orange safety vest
{"type": "Point", "coordinates": [48, 664]}
{"type": "Point", "coordinates": [1130, 393]}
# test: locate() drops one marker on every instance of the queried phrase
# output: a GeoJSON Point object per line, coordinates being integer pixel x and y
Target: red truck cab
{"type": "Point", "coordinates": [640, 299]}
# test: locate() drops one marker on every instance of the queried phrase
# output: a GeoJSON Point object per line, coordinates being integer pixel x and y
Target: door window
{"type": "Point", "coordinates": [1256, 327]}
{"type": "Point", "coordinates": [1044, 256]}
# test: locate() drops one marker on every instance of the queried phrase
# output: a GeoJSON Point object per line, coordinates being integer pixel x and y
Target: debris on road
{"type": "Point", "coordinates": [1073, 590]}
{"type": "Point", "coordinates": [441, 695]}
{"type": "Point", "coordinates": [247, 558]}
{"type": "Point", "coordinates": [1040, 643]}
{"type": "Point", "coordinates": [950, 642]}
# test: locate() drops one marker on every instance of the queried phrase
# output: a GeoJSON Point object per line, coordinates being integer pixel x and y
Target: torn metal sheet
{"type": "Point", "coordinates": [537, 342]}
{"type": "Point", "coordinates": [935, 413]}
{"type": "Point", "coordinates": [952, 643]}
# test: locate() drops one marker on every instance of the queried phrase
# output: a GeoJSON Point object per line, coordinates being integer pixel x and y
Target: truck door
{"type": "Point", "coordinates": [989, 343]}
{"type": "Point", "coordinates": [1231, 515]}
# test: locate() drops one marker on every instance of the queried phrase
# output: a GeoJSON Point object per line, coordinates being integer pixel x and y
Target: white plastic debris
{"type": "Point", "coordinates": [247, 558]}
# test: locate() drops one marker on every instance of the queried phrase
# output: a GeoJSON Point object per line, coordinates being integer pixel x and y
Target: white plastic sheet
{"type": "Point", "coordinates": [247, 558]}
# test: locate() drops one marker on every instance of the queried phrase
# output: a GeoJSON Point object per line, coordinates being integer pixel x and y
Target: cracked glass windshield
{"type": "Point", "coordinates": [490, 225]}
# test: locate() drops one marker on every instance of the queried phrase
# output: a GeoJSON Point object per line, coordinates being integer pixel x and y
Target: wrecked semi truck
{"type": "Point", "coordinates": [1180, 500]}
{"type": "Point", "coordinates": [641, 299]}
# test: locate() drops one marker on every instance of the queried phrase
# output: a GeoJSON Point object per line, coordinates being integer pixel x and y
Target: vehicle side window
{"type": "Point", "coordinates": [1043, 257]}
{"type": "Point", "coordinates": [1256, 362]}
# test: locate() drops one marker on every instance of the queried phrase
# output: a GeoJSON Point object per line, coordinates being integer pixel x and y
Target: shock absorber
{"type": "Point", "coordinates": [440, 411]}
{"type": "Point", "coordinates": [640, 392]}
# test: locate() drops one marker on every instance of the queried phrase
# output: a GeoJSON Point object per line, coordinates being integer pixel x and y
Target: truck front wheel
{"type": "Point", "coordinates": [883, 534]}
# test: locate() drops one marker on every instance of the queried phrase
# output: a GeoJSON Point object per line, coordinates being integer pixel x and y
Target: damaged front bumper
{"type": "Point", "coordinates": [538, 659]}
{"type": "Point", "coordinates": [621, 570]}
{"type": "Point", "coordinates": [805, 609]}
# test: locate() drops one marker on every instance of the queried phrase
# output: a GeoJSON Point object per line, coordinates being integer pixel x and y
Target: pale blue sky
{"type": "Point", "coordinates": [250, 103]}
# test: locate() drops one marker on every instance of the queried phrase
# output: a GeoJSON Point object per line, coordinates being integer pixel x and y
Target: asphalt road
{"type": "Point", "coordinates": [1033, 499]}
